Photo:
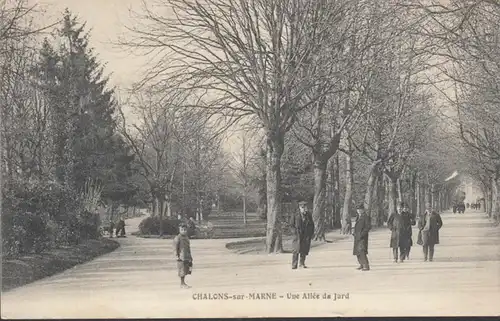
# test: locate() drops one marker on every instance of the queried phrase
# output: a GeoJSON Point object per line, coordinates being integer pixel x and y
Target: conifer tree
{"type": "Point", "coordinates": [85, 142]}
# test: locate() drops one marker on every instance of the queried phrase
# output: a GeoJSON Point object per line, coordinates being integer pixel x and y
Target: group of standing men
{"type": "Point", "coordinates": [400, 223]}
{"type": "Point", "coordinates": [119, 228]}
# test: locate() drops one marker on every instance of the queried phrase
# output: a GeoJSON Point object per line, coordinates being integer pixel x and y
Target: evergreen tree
{"type": "Point", "coordinates": [85, 142]}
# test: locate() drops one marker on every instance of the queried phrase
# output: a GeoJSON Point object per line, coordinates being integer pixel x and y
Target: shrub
{"type": "Point", "coordinates": [24, 232]}
{"type": "Point", "coordinates": [151, 226]}
{"type": "Point", "coordinates": [39, 215]}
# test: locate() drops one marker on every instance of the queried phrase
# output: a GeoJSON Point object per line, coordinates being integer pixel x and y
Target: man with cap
{"type": "Point", "coordinates": [361, 230]}
{"type": "Point", "coordinates": [400, 224]}
{"type": "Point", "coordinates": [429, 225]}
{"type": "Point", "coordinates": [303, 227]}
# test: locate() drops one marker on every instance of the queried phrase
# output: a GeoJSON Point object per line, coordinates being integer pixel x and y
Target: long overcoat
{"type": "Point", "coordinates": [303, 230]}
{"type": "Point", "coordinates": [430, 237]}
{"type": "Point", "coordinates": [401, 233]}
{"type": "Point", "coordinates": [361, 229]}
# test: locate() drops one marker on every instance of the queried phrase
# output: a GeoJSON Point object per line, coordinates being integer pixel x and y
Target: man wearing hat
{"type": "Point", "coordinates": [400, 224]}
{"type": "Point", "coordinates": [361, 230]}
{"type": "Point", "coordinates": [303, 227]}
{"type": "Point", "coordinates": [429, 225]}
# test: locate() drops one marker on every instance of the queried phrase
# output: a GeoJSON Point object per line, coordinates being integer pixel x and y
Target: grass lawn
{"type": "Point", "coordinates": [29, 268]}
{"type": "Point", "coordinates": [258, 246]}
{"type": "Point", "coordinates": [227, 225]}
{"type": "Point", "coordinates": [230, 225]}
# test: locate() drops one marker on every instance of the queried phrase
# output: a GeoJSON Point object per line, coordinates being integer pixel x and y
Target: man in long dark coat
{"type": "Point", "coordinates": [429, 225]}
{"type": "Point", "coordinates": [303, 226]}
{"type": "Point", "coordinates": [410, 220]}
{"type": "Point", "coordinates": [361, 230]}
{"type": "Point", "coordinates": [400, 224]}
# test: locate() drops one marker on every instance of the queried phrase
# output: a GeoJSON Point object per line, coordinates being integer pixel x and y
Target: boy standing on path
{"type": "Point", "coordinates": [182, 249]}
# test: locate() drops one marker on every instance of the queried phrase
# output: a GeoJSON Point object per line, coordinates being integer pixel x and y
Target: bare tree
{"type": "Point", "coordinates": [354, 45]}
{"type": "Point", "coordinates": [252, 58]}
{"type": "Point", "coordinates": [242, 167]}
{"type": "Point", "coordinates": [152, 139]}
{"type": "Point", "coordinates": [469, 40]}
{"type": "Point", "coordinates": [25, 115]}
{"type": "Point", "coordinates": [398, 89]}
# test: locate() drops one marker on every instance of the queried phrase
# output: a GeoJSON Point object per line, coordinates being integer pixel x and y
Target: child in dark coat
{"type": "Point", "coordinates": [182, 250]}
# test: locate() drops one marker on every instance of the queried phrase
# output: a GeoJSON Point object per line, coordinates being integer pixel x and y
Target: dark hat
{"type": "Point", "coordinates": [360, 207]}
{"type": "Point", "coordinates": [182, 225]}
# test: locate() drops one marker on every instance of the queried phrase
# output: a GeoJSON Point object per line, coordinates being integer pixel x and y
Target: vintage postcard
{"type": "Point", "coordinates": [260, 158]}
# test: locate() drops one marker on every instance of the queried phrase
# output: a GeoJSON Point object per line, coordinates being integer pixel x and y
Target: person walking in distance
{"type": "Point", "coordinates": [429, 225]}
{"type": "Point", "coordinates": [182, 251]}
{"type": "Point", "coordinates": [120, 227]}
{"type": "Point", "coordinates": [303, 227]}
{"type": "Point", "coordinates": [191, 227]}
{"type": "Point", "coordinates": [361, 230]}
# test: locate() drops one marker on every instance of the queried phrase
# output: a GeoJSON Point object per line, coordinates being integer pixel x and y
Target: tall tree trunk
{"type": "Point", "coordinates": [370, 186]}
{"type": "Point", "coordinates": [489, 194]}
{"type": "Point", "coordinates": [349, 181]}
{"type": "Point", "coordinates": [219, 201]}
{"type": "Point", "coordinates": [244, 208]}
{"type": "Point", "coordinates": [319, 197]}
{"type": "Point", "coordinates": [418, 196]}
{"type": "Point", "coordinates": [262, 202]}
{"type": "Point", "coordinates": [336, 191]}
{"type": "Point", "coordinates": [427, 197]}
{"type": "Point", "coordinates": [435, 200]}
{"type": "Point", "coordinates": [161, 204]}
{"type": "Point", "coordinates": [399, 190]}
{"type": "Point", "coordinates": [275, 146]}
{"type": "Point", "coordinates": [413, 194]}
{"type": "Point", "coordinates": [154, 205]}
{"type": "Point", "coordinates": [330, 196]}
{"type": "Point", "coordinates": [168, 206]}
{"type": "Point", "coordinates": [244, 149]}
{"type": "Point", "coordinates": [393, 194]}
{"type": "Point", "coordinates": [379, 198]}
{"type": "Point", "coordinates": [184, 191]}
{"type": "Point", "coordinates": [496, 198]}
{"type": "Point", "coordinates": [493, 198]}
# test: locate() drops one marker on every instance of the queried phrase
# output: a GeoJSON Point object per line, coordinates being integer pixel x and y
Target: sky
{"type": "Point", "coordinates": [106, 20]}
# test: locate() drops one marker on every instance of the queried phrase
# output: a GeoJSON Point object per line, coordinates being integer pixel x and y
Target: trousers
{"type": "Point", "coordinates": [363, 260]}
{"type": "Point", "coordinates": [429, 251]}
{"type": "Point", "coordinates": [295, 259]}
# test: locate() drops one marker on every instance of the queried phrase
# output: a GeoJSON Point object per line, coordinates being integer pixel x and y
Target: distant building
{"type": "Point", "coordinates": [472, 191]}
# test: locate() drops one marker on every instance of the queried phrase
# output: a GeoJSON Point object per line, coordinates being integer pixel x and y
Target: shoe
{"type": "Point", "coordinates": [430, 260]}
{"type": "Point", "coordinates": [425, 259]}
{"type": "Point", "coordinates": [395, 260]}
{"type": "Point", "coordinates": [303, 266]}
{"type": "Point", "coordinates": [294, 268]}
{"type": "Point", "coordinates": [366, 269]}
{"type": "Point", "coordinates": [185, 286]}
{"type": "Point", "coordinates": [359, 268]}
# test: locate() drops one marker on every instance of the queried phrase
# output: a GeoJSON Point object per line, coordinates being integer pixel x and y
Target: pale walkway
{"type": "Point", "coordinates": [139, 280]}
